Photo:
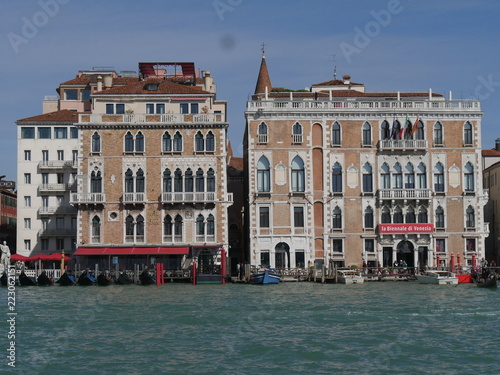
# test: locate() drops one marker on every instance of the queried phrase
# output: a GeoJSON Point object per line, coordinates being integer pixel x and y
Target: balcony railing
{"type": "Point", "coordinates": [202, 197]}
{"type": "Point", "coordinates": [308, 105]}
{"type": "Point", "coordinates": [141, 118]}
{"type": "Point", "coordinates": [89, 198]}
{"type": "Point", "coordinates": [57, 232]}
{"type": "Point", "coordinates": [48, 188]}
{"type": "Point", "coordinates": [262, 139]}
{"type": "Point", "coordinates": [57, 164]}
{"type": "Point", "coordinates": [404, 194]}
{"type": "Point", "coordinates": [296, 139]}
{"type": "Point", "coordinates": [402, 144]}
{"type": "Point", "coordinates": [134, 197]}
{"type": "Point", "coordinates": [50, 210]}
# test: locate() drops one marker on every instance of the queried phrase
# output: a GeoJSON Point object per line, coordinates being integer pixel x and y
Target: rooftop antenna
{"type": "Point", "coordinates": [334, 67]}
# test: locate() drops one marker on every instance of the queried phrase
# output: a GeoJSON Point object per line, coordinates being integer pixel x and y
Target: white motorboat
{"type": "Point", "coordinates": [437, 277]}
{"type": "Point", "coordinates": [350, 276]}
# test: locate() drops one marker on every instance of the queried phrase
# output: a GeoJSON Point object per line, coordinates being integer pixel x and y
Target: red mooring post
{"type": "Point", "coordinates": [223, 266]}
{"type": "Point", "coordinates": [158, 281]}
{"type": "Point", "coordinates": [194, 273]}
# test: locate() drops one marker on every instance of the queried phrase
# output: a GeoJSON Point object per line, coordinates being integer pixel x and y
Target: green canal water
{"type": "Point", "coordinates": [290, 328]}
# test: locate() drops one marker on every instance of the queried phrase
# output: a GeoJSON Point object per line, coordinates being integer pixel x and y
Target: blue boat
{"type": "Point", "coordinates": [265, 276]}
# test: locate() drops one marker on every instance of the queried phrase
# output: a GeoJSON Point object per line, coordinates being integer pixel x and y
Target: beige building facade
{"type": "Point", "coordinates": [338, 174]}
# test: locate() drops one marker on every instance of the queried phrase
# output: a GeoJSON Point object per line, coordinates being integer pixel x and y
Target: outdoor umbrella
{"type": "Point", "coordinates": [18, 258]}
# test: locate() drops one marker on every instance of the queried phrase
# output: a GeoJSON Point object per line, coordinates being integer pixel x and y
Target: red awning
{"type": "Point", "coordinates": [132, 251]}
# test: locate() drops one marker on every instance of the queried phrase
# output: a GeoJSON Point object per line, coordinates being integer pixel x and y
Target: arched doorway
{"type": "Point", "coordinates": [282, 255]}
{"type": "Point", "coordinates": [405, 252]}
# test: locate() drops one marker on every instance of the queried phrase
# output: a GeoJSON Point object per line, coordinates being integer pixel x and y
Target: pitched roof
{"type": "Point", "coordinates": [336, 82]}
{"type": "Point", "coordinates": [138, 87]}
{"type": "Point", "coordinates": [263, 80]}
{"type": "Point", "coordinates": [492, 152]}
{"type": "Point", "coordinates": [62, 116]}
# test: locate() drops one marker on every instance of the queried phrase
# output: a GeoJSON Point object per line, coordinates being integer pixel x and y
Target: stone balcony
{"type": "Point", "coordinates": [142, 118]}
{"type": "Point", "coordinates": [87, 198]}
{"type": "Point", "coordinates": [405, 194]}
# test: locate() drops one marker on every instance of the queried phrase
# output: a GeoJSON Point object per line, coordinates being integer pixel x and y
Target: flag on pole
{"type": "Point", "coordinates": [402, 130]}
{"type": "Point", "coordinates": [415, 127]}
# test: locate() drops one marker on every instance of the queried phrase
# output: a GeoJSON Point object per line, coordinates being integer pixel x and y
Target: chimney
{"type": "Point", "coordinates": [347, 79]}
{"type": "Point", "coordinates": [497, 144]}
{"type": "Point", "coordinates": [208, 81]}
{"type": "Point", "coordinates": [99, 83]}
{"type": "Point", "coordinates": [108, 81]}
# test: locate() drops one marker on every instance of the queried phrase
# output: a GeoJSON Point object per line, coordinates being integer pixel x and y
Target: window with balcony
{"type": "Point", "coordinates": [439, 218]}
{"type": "Point", "coordinates": [438, 134]}
{"type": "Point", "coordinates": [178, 181]}
{"type": "Point", "coordinates": [367, 178]}
{"type": "Point", "coordinates": [45, 155]}
{"type": "Point", "coordinates": [166, 145]}
{"type": "Point", "coordinates": [211, 181]}
{"type": "Point", "coordinates": [189, 108]}
{"type": "Point", "coordinates": [129, 181]}
{"type": "Point", "coordinates": [200, 181]}
{"type": "Point", "coordinates": [264, 217]}
{"type": "Point", "coordinates": [385, 177]}
{"type": "Point", "coordinates": [155, 108]}
{"type": "Point", "coordinates": [96, 182]}
{"type": "Point", "coordinates": [470, 221]}
{"type": "Point", "coordinates": [385, 131]}
{"type": "Point", "coordinates": [367, 134]}
{"type": "Point", "coordinates": [297, 133]}
{"type": "Point", "coordinates": [419, 132]}
{"type": "Point", "coordinates": [167, 181]}
{"type": "Point", "coordinates": [397, 177]}
{"type": "Point", "coordinates": [421, 176]}
{"type": "Point", "coordinates": [337, 218]}
{"type": "Point", "coordinates": [336, 134]}
{"type": "Point", "coordinates": [263, 175]}
{"type": "Point", "coordinates": [134, 229]}
{"type": "Point", "coordinates": [96, 142]}
{"type": "Point", "coordinates": [115, 108]}
{"type": "Point", "coordinates": [439, 177]}
{"type": "Point", "coordinates": [168, 232]}
{"type": "Point", "coordinates": [409, 177]}
{"type": "Point", "coordinates": [262, 134]}
{"type": "Point", "coordinates": [337, 178]}
{"type": "Point", "coordinates": [369, 218]}
{"type": "Point", "coordinates": [188, 181]}
{"type": "Point", "coordinates": [298, 175]}
{"type": "Point", "coordinates": [60, 155]}
{"type": "Point", "coordinates": [468, 134]}
{"type": "Point", "coordinates": [139, 181]}
{"type": "Point", "coordinates": [469, 177]}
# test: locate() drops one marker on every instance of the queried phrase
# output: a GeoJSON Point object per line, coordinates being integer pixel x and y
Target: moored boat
{"type": "Point", "coordinates": [265, 276]}
{"type": "Point", "coordinates": [104, 279]}
{"type": "Point", "coordinates": [85, 279]}
{"type": "Point", "coordinates": [350, 276]}
{"type": "Point", "coordinates": [25, 280]}
{"type": "Point", "coordinates": [123, 279]}
{"type": "Point", "coordinates": [145, 278]}
{"type": "Point", "coordinates": [44, 280]}
{"type": "Point", "coordinates": [66, 280]}
{"type": "Point", "coordinates": [437, 277]}
{"type": "Point", "coordinates": [489, 282]}
{"type": "Point", "coordinates": [3, 279]}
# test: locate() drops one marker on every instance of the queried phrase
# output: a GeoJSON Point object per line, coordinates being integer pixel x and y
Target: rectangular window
{"type": "Point", "coordinates": [44, 133]}
{"type": "Point", "coordinates": [264, 259]}
{"type": "Point", "coordinates": [110, 109]}
{"type": "Point", "coordinates": [300, 259]}
{"type": "Point", "coordinates": [60, 133]}
{"type": "Point", "coordinates": [28, 133]}
{"type": "Point", "coordinates": [27, 178]}
{"type": "Point", "coordinates": [27, 223]}
{"type": "Point", "coordinates": [337, 246]}
{"type": "Point", "coordinates": [73, 133]}
{"type": "Point", "coordinates": [85, 95]}
{"type": "Point", "coordinates": [150, 109]}
{"type": "Point", "coordinates": [60, 178]}
{"type": "Point", "coordinates": [189, 108]}
{"type": "Point", "coordinates": [369, 246]}
{"type": "Point", "coordinates": [60, 244]}
{"type": "Point", "coordinates": [184, 108]}
{"type": "Point", "coordinates": [60, 222]}
{"type": "Point", "coordinates": [45, 155]}
{"type": "Point", "coordinates": [70, 94]}
{"type": "Point", "coordinates": [74, 155]}
{"type": "Point", "coordinates": [27, 155]}
{"type": "Point", "coordinates": [60, 154]}
{"type": "Point", "coordinates": [45, 179]}
{"type": "Point", "coordinates": [264, 217]}
{"type": "Point", "coordinates": [45, 244]}
{"type": "Point", "coordinates": [298, 217]}
{"type": "Point", "coordinates": [441, 245]}
{"type": "Point", "coordinates": [120, 108]}
{"type": "Point", "coordinates": [27, 245]}
{"type": "Point", "coordinates": [194, 108]}
{"type": "Point", "coordinates": [27, 201]}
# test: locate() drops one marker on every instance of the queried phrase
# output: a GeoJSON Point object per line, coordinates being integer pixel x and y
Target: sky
{"type": "Point", "coordinates": [389, 45]}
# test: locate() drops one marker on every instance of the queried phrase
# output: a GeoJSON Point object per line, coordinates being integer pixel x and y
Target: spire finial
{"type": "Point", "coordinates": [263, 49]}
{"type": "Point", "coordinates": [334, 66]}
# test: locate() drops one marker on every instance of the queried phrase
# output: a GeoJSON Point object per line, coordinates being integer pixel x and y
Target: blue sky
{"type": "Point", "coordinates": [408, 45]}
